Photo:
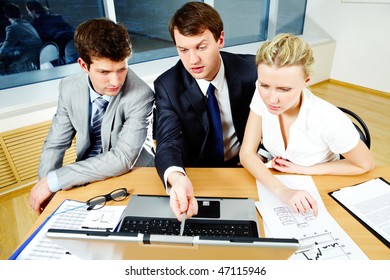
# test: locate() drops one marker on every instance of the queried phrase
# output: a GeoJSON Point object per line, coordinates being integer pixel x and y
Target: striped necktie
{"type": "Point", "coordinates": [96, 138]}
{"type": "Point", "coordinates": [215, 150]}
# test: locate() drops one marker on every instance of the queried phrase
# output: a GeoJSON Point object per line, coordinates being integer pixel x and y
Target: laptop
{"type": "Point", "coordinates": [217, 215]}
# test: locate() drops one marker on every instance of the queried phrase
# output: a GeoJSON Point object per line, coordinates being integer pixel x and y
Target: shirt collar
{"type": "Point", "coordinates": [93, 94]}
{"type": "Point", "coordinates": [302, 115]}
{"type": "Point", "coordinates": [217, 82]}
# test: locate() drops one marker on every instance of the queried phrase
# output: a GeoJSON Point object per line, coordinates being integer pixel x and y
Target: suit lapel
{"type": "Point", "coordinates": [234, 86]}
{"type": "Point", "coordinates": [81, 105]}
{"type": "Point", "coordinates": [197, 100]}
{"type": "Point", "coordinates": [108, 120]}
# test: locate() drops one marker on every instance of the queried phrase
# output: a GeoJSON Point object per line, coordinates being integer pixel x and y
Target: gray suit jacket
{"type": "Point", "coordinates": [126, 132]}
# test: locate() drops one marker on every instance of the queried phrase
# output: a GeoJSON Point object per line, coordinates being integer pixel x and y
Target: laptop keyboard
{"type": "Point", "coordinates": [193, 227]}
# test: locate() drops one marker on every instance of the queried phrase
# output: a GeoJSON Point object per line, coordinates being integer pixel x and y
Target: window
{"type": "Point", "coordinates": [147, 22]}
{"type": "Point", "coordinates": [291, 16]}
{"type": "Point", "coordinates": [69, 14]}
{"type": "Point", "coordinates": [245, 21]}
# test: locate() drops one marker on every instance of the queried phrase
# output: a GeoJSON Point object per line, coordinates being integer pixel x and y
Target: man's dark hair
{"type": "Point", "coordinates": [11, 10]}
{"type": "Point", "coordinates": [33, 5]}
{"type": "Point", "coordinates": [102, 38]}
{"type": "Point", "coordinates": [193, 18]}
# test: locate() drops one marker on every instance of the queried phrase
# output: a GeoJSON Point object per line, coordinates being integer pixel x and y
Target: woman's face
{"type": "Point", "coordinates": [280, 88]}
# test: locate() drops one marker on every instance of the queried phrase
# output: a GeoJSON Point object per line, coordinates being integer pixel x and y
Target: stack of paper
{"type": "Point", "coordinates": [69, 215]}
{"type": "Point", "coordinates": [369, 203]}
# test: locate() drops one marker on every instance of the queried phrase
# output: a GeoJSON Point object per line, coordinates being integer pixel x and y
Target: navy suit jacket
{"type": "Point", "coordinates": [181, 121]}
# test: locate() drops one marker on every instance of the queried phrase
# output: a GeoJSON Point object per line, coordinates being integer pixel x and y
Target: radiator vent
{"type": "Point", "coordinates": [19, 154]}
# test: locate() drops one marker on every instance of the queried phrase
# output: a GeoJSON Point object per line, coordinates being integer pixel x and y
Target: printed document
{"type": "Point", "coordinates": [70, 215]}
{"type": "Point", "coordinates": [321, 238]}
{"type": "Point", "coordinates": [370, 202]}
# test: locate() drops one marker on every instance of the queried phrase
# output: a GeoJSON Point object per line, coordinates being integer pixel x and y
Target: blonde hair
{"type": "Point", "coordinates": [284, 50]}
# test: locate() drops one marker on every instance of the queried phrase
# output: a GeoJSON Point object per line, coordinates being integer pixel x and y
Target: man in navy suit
{"type": "Point", "coordinates": [182, 122]}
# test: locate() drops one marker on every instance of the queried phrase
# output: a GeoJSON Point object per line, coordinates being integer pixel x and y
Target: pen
{"type": "Point", "coordinates": [183, 221]}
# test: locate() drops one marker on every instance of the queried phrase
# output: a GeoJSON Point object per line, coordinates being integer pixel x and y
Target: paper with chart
{"type": "Point", "coordinates": [321, 238]}
{"type": "Point", "coordinates": [70, 215]}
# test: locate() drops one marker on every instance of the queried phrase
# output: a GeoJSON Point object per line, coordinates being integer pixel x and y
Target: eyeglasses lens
{"type": "Point", "coordinates": [97, 202]}
{"type": "Point", "coordinates": [119, 195]}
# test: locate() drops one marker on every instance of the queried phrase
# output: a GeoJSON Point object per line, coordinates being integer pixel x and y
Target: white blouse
{"type": "Point", "coordinates": [319, 134]}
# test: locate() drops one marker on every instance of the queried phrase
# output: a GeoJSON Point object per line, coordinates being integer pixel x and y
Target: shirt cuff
{"type": "Point", "coordinates": [168, 172]}
{"type": "Point", "coordinates": [53, 183]}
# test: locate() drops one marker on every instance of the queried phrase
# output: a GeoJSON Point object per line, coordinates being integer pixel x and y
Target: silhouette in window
{"type": "Point", "coordinates": [53, 28]}
{"type": "Point", "coordinates": [4, 22]}
{"type": "Point", "coordinates": [19, 52]}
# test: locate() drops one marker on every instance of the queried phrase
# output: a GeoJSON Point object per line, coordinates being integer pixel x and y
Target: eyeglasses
{"type": "Point", "coordinates": [99, 201]}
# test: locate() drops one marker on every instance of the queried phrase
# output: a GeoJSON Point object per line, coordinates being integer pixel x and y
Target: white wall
{"type": "Point", "coordinates": [362, 36]}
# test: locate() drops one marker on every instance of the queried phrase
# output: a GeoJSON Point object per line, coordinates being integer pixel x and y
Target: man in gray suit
{"type": "Point", "coordinates": [20, 50]}
{"type": "Point", "coordinates": [125, 139]}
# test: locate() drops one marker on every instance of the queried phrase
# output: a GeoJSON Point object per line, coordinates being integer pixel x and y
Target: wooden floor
{"type": "Point", "coordinates": [373, 107]}
{"type": "Point", "coordinates": [16, 216]}
{"type": "Point", "coordinates": [16, 219]}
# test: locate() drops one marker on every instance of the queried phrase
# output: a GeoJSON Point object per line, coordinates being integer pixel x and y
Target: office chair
{"type": "Point", "coordinates": [360, 126]}
{"type": "Point", "coordinates": [49, 56]}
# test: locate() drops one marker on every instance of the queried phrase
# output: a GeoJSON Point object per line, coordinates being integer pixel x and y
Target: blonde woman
{"type": "Point", "coordinates": [303, 133]}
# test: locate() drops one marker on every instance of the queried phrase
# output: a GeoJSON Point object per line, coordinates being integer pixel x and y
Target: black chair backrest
{"type": "Point", "coordinates": [361, 128]}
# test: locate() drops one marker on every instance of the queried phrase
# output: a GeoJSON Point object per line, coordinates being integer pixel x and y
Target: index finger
{"type": "Point", "coordinates": [192, 207]}
{"type": "Point", "coordinates": [175, 206]}
{"type": "Point", "coordinates": [313, 205]}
